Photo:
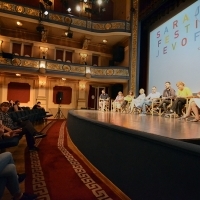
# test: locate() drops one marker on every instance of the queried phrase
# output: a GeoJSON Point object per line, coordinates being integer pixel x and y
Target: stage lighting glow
{"type": "Point", "coordinates": [46, 12]}
{"type": "Point", "coordinates": [99, 2]}
{"type": "Point", "coordinates": [78, 8]}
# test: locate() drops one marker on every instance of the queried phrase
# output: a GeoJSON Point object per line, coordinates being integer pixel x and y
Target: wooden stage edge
{"type": "Point", "coordinates": [167, 127]}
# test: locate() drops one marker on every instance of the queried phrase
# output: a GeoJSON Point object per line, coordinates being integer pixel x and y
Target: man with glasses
{"type": "Point", "coordinates": [153, 96]}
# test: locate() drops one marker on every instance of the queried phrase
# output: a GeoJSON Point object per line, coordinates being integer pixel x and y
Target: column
{"type": "Point", "coordinates": [42, 81]}
{"type": "Point", "coordinates": [82, 101]}
{"type": "Point", "coordinates": [134, 49]}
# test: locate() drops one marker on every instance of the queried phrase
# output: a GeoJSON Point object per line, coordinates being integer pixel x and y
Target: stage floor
{"type": "Point", "coordinates": [166, 127]}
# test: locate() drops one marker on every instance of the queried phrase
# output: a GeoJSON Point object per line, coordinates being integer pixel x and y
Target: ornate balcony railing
{"type": "Point", "coordinates": [65, 20]}
{"type": "Point", "coordinates": [29, 65]}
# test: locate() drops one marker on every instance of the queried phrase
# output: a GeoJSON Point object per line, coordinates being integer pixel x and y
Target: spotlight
{"type": "Point", "coordinates": [43, 9]}
{"type": "Point", "coordinates": [78, 8]}
{"type": "Point", "coordinates": [99, 2]}
{"type": "Point", "coordinates": [69, 34]}
{"type": "Point", "coordinates": [46, 12]}
{"type": "Point", "coordinates": [69, 10]}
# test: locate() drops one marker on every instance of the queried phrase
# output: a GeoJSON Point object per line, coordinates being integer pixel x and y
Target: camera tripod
{"type": "Point", "coordinates": [59, 114]}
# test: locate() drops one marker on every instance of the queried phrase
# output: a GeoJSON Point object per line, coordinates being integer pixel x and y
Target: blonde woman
{"type": "Point", "coordinates": [182, 95]}
{"type": "Point", "coordinates": [118, 101]}
{"type": "Point", "coordinates": [127, 99]}
{"type": "Point", "coordinates": [136, 102]}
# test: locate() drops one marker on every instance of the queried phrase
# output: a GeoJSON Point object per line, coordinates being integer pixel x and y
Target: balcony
{"type": "Point", "coordinates": [30, 65]}
{"type": "Point", "coordinates": [65, 19]}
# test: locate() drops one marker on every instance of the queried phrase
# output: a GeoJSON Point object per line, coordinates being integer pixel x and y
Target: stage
{"type": "Point", "coordinates": [146, 157]}
{"type": "Point", "coordinates": [166, 127]}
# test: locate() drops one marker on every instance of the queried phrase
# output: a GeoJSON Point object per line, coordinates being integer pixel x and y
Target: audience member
{"type": "Point", "coordinates": [37, 105]}
{"type": "Point", "coordinates": [9, 178]}
{"type": "Point", "coordinates": [23, 128]}
{"type": "Point", "coordinates": [16, 106]}
{"type": "Point", "coordinates": [182, 95]}
{"type": "Point", "coordinates": [168, 95]}
{"type": "Point", "coordinates": [153, 96]}
{"type": "Point", "coordinates": [118, 101]}
{"type": "Point", "coordinates": [138, 101]}
{"type": "Point", "coordinates": [127, 99]}
{"type": "Point", "coordinates": [103, 100]}
{"type": "Point", "coordinates": [194, 106]}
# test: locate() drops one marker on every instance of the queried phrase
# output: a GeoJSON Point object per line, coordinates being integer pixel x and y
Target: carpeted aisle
{"type": "Point", "coordinates": [56, 173]}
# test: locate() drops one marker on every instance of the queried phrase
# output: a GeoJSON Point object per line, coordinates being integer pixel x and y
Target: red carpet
{"type": "Point", "coordinates": [56, 173]}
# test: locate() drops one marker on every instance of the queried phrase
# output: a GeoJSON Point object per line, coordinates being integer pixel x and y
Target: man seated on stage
{"type": "Point", "coordinates": [168, 95]}
{"type": "Point", "coordinates": [23, 128]}
{"type": "Point", "coordinates": [181, 99]}
{"type": "Point", "coordinates": [153, 96]}
{"type": "Point", "coordinates": [103, 100]}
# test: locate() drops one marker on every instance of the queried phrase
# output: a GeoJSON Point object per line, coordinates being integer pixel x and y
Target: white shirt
{"type": "Point", "coordinates": [153, 95]}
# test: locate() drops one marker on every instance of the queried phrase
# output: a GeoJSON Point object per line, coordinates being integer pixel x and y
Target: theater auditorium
{"type": "Point", "coordinates": [99, 99]}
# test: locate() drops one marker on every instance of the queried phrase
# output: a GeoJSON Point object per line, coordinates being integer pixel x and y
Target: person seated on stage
{"type": "Point", "coordinates": [181, 99]}
{"type": "Point", "coordinates": [37, 105]}
{"type": "Point", "coordinates": [127, 99]}
{"type": "Point", "coordinates": [16, 106]}
{"type": "Point", "coordinates": [103, 100]}
{"type": "Point", "coordinates": [23, 128]}
{"type": "Point", "coordinates": [153, 96]}
{"type": "Point", "coordinates": [10, 179]}
{"type": "Point", "coordinates": [118, 101]}
{"type": "Point", "coordinates": [194, 106]}
{"type": "Point", "coordinates": [168, 94]}
{"type": "Point", "coordinates": [137, 102]}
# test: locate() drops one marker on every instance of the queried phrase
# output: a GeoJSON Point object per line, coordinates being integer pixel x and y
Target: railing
{"type": "Point", "coordinates": [65, 20]}
{"type": "Point", "coordinates": [29, 64]}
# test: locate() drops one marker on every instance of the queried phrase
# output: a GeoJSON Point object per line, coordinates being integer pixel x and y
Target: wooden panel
{"type": "Point", "coordinates": [66, 96]}
{"type": "Point", "coordinates": [68, 56]}
{"type": "Point", "coordinates": [19, 91]}
{"type": "Point", "coordinates": [95, 60]}
{"type": "Point", "coordinates": [59, 54]}
{"type": "Point", "coordinates": [27, 50]}
{"type": "Point", "coordinates": [16, 49]}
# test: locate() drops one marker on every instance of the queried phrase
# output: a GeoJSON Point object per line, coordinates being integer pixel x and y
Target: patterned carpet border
{"type": "Point", "coordinates": [96, 189]}
{"type": "Point", "coordinates": [38, 181]}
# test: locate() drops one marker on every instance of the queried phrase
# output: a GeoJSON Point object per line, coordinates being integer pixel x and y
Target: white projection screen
{"type": "Point", "coordinates": [174, 51]}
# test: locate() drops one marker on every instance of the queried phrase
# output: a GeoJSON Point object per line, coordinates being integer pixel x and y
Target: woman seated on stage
{"type": "Point", "coordinates": [136, 102]}
{"type": "Point", "coordinates": [118, 101]}
{"type": "Point", "coordinates": [194, 106]}
{"type": "Point", "coordinates": [127, 99]}
{"type": "Point", "coordinates": [182, 95]}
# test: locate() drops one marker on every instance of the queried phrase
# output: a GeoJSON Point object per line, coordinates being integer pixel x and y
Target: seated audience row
{"type": "Point", "coordinates": [21, 128]}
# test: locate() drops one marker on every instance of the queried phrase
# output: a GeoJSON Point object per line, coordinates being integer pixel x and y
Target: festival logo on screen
{"type": "Point", "coordinates": [181, 31]}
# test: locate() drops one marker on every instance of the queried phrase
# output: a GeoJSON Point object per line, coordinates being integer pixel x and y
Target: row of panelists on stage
{"type": "Point", "coordinates": [168, 104]}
